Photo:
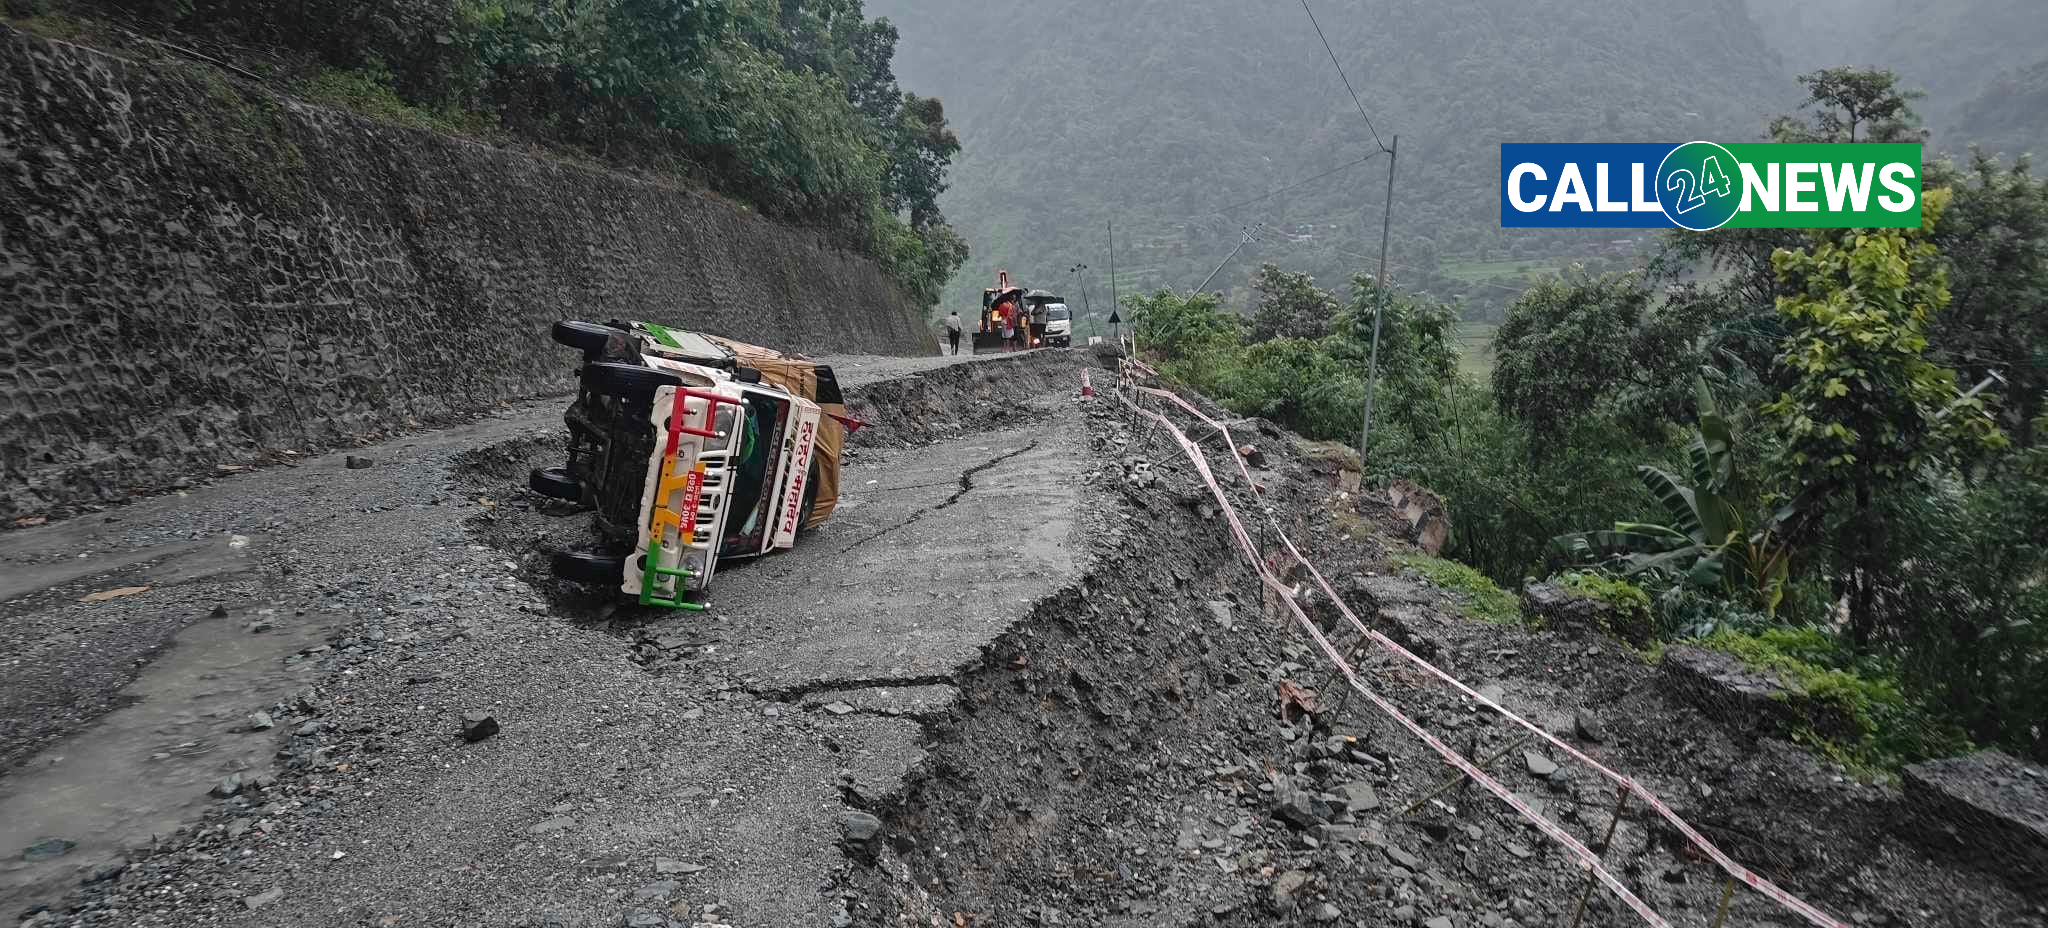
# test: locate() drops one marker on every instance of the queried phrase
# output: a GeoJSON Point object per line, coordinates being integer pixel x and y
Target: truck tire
{"type": "Point", "coordinates": [626, 381]}
{"type": "Point", "coordinates": [555, 483]}
{"type": "Point", "coordinates": [587, 337]}
{"type": "Point", "coordinates": [593, 569]}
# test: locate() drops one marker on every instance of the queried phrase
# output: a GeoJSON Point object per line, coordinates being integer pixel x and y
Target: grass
{"type": "Point", "coordinates": [1893, 730]}
{"type": "Point", "coordinates": [1483, 599]}
{"type": "Point", "coordinates": [369, 93]}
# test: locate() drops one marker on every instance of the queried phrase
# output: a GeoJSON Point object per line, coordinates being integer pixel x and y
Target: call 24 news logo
{"type": "Point", "coordinates": [1705, 185]}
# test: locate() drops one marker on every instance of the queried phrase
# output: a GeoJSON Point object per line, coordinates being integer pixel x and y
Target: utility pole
{"type": "Point", "coordinates": [1372, 382]}
{"type": "Point", "coordinates": [1080, 277]}
{"type": "Point", "coordinates": [1249, 234]}
{"type": "Point", "coordinates": [1114, 302]}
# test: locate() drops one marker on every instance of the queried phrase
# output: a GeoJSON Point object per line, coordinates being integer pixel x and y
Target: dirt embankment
{"type": "Point", "coordinates": [196, 272]}
{"type": "Point", "coordinates": [1126, 756]}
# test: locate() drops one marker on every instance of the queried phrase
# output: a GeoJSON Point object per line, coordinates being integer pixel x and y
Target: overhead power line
{"type": "Point", "coordinates": [1345, 77]}
{"type": "Point", "coordinates": [1291, 187]}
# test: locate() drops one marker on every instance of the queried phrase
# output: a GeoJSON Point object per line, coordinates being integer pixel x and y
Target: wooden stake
{"type": "Point", "coordinates": [1446, 785]}
{"type": "Point", "coordinates": [1727, 896]}
{"type": "Point", "coordinates": [1606, 840]}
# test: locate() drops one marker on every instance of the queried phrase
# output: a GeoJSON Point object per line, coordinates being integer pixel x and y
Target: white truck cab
{"type": "Point", "coordinates": [686, 456]}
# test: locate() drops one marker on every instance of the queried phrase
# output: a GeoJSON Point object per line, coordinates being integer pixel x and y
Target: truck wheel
{"type": "Point", "coordinates": [555, 483]}
{"type": "Point", "coordinates": [587, 337]}
{"type": "Point", "coordinates": [594, 569]}
{"type": "Point", "coordinates": [627, 381]}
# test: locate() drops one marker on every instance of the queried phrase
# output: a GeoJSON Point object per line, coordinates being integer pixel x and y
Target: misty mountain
{"type": "Point", "coordinates": [1957, 51]}
{"type": "Point", "coordinates": [1160, 113]}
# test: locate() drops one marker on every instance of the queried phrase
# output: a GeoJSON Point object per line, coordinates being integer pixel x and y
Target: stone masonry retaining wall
{"type": "Point", "coordinates": [194, 271]}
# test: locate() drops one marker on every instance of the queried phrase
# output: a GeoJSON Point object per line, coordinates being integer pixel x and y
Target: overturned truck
{"type": "Point", "coordinates": [690, 449]}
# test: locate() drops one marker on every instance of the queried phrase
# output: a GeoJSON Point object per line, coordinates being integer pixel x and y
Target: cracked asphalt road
{"type": "Point", "coordinates": [384, 614]}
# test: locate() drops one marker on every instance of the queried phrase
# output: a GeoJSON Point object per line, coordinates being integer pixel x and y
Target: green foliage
{"type": "Point", "coordinates": [1994, 235]}
{"type": "Point", "coordinates": [1178, 326]}
{"type": "Point", "coordinates": [1289, 305]}
{"type": "Point", "coordinates": [1863, 412]}
{"type": "Point", "coordinates": [1609, 345]}
{"type": "Point", "coordinates": [1964, 603]}
{"type": "Point", "coordinates": [1296, 382]}
{"type": "Point", "coordinates": [1607, 588]}
{"type": "Point", "coordinates": [1850, 104]}
{"type": "Point", "coordinates": [1481, 597]}
{"type": "Point", "coordinates": [1865, 407]}
{"type": "Point", "coordinates": [1708, 543]}
{"type": "Point", "coordinates": [1891, 729]}
{"type": "Point", "coordinates": [369, 92]}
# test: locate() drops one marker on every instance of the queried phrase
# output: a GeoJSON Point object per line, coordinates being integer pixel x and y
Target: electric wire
{"type": "Point", "coordinates": [1340, 73]}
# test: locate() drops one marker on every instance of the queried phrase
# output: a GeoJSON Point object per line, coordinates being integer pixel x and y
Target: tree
{"type": "Point", "coordinates": [1847, 100]}
{"type": "Point", "coordinates": [921, 148]}
{"type": "Point", "coordinates": [1995, 236]}
{"type": "Point", "coordinates": [1841, 104]}
{"type": "Point", "coordinates": [1177, 325]}
{"type": "Point", "coordinates": [1863, 410]}
{"type": "Point", "coordinates": [1565, 345]}
{"type": "Point", "coordinates": [1290, 305]}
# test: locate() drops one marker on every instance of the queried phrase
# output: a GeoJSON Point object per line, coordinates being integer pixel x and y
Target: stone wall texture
{"type": "Point", "coordinates": [195, 272]}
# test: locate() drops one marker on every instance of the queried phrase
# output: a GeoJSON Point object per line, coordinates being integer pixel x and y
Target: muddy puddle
{"type": "Point", "coordinates": [144, 769]}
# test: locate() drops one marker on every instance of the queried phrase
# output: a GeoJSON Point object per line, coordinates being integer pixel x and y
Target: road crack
{"type": "Point", "coordinates": [966, 482]}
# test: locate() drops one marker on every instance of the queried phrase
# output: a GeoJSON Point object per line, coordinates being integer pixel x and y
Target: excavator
{"type": "Point", "coordinates": [1033, 312]}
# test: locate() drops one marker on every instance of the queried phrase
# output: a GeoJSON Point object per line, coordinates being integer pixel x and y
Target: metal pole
{"type": "Point", "coordinates": [1246, 240]}
{"type": "Point", "coordinates": [1114, 302]}
{"type": "Point", "coordinates": [1372, 383]}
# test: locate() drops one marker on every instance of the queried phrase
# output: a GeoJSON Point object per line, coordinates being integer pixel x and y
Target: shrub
{"type": "Point", "coordinates": [1893, 729]}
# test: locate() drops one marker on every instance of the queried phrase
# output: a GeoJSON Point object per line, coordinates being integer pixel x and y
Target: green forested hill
{"type": "Point", "coordinates": [1157, 112]}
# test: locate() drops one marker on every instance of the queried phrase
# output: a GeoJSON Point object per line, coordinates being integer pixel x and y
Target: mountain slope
{"type": "Point", "coordinates": [1156, 112]}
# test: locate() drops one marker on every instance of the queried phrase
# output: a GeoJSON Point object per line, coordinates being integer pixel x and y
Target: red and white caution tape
{"type": "Point", "coordinates": [1727, 864]}
{"type": "Point", "coordinates": [1573, 846]}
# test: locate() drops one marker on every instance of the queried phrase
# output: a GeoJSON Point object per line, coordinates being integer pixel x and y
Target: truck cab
{"type": "Point", "coordinates": [690, 450]}
{"type": "Point", "coordinates": [1059, 325]}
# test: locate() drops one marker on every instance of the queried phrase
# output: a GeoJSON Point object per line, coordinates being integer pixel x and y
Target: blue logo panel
{"type": "Point", "coordinates": [1582, 185]}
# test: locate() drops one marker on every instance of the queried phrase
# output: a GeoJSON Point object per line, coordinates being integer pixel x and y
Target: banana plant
{"type": "Point", "coordinates": [1706, 542]}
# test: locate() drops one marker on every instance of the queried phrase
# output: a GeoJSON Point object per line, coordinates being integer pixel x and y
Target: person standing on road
{"type": "Point", "coordinates": [953, 330]}
{"type": "Point", "coordinates": [1009, 332]}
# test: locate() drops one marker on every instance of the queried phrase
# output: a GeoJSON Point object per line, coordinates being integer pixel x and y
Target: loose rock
{"type": "Point", "coordinates": [263, 898]}
{"type": "Point", "coordinates": [47, 849]}
{"type": "Point", "coordinates": [478, 725]}
{"type": "Point", "coordinates": [550, 826]}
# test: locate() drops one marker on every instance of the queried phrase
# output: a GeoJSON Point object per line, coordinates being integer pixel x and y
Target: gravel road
{"type": "Point", "coordinates": [648, 767]}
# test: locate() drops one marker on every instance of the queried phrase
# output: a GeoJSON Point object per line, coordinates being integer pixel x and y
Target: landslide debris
{"type": "Point", "coordinates": [1126, 755]}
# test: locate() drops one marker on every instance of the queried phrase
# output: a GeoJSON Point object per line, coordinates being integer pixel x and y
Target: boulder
{"type": "Point", "coordinates": [1429, 524]}
{"type": "Point", "coordinates": [1986, 809]}
{"type": "Point", "coordinates": [1563, 610]}
{"type": "Point", "coordinates": [1747, 699]}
